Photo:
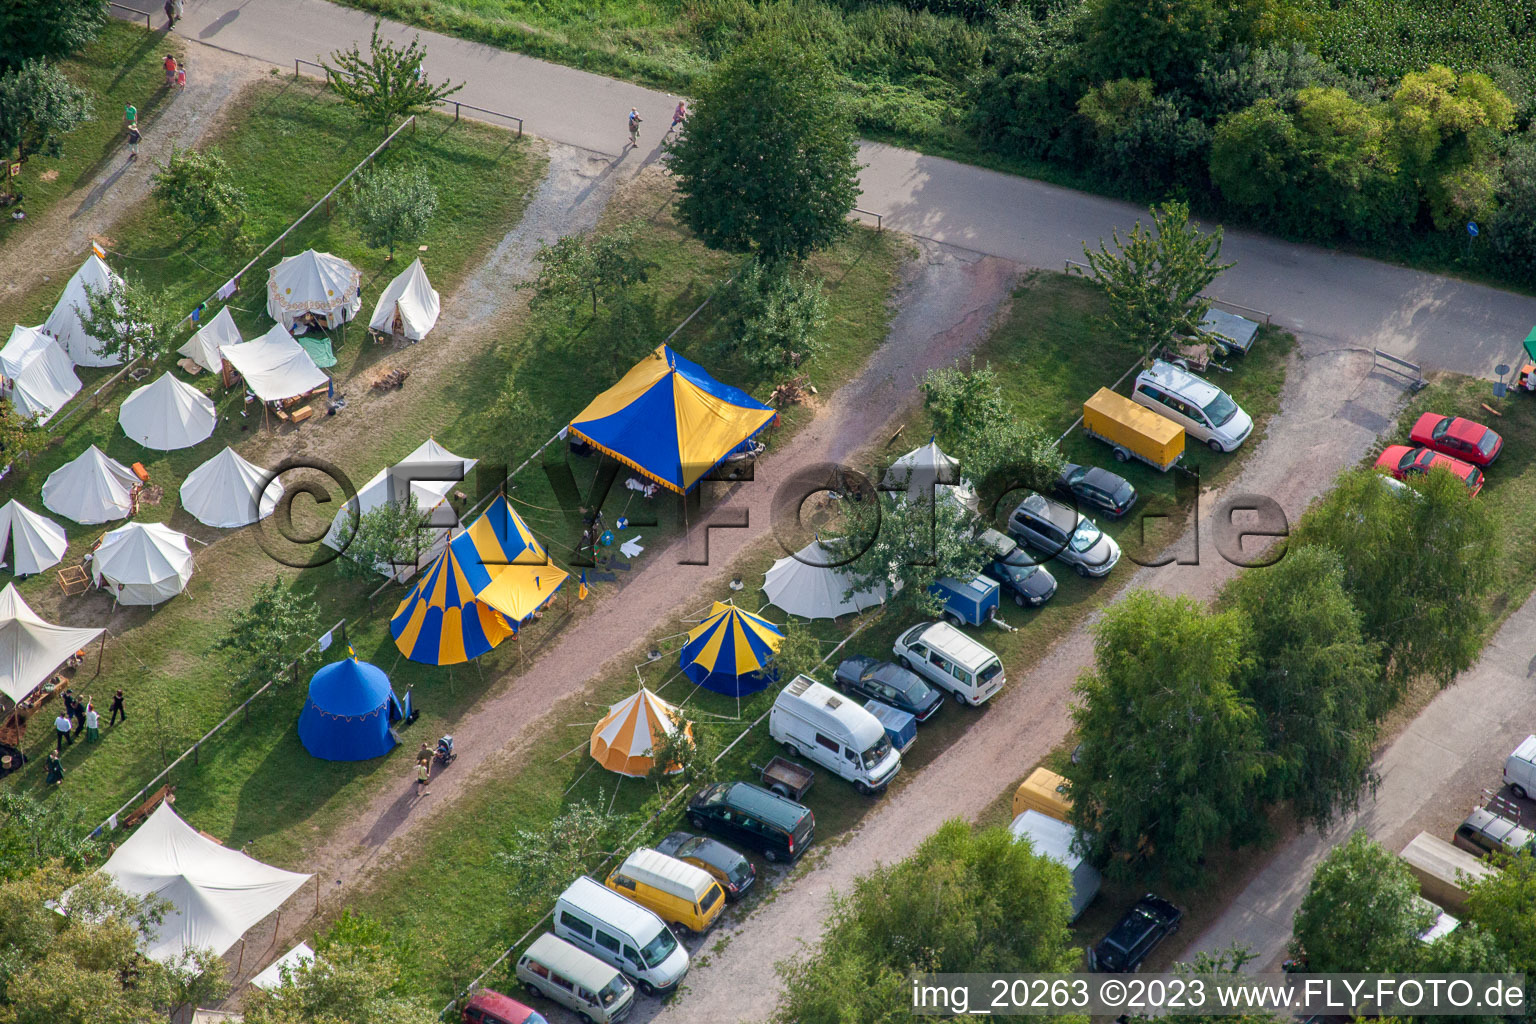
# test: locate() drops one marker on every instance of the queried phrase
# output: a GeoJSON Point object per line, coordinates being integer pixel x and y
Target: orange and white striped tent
{"type": "Point", "coordinates": [623, 741]}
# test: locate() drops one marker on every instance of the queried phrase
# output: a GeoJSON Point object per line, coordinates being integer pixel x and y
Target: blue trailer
{"type": "Point", "coordinates": [900, 727]}
{"type": "Point", "coordinates": [967, 603]}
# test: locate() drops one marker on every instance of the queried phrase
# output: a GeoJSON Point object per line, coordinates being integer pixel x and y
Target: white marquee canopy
{"type": "Point", "coordinates": [30, 648]}
{"type": "Point", "coordinates": [275, 366]}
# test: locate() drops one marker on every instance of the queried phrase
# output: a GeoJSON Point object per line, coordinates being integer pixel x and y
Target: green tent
{"type": "Point", "coordinates": [1530, 343]}
{"type": "Point", "coordinates": [319, 348]}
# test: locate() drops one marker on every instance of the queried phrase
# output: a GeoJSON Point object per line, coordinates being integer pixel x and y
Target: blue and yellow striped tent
{"type": "Point", "coordinates": [505, 565]}
{"type": "Point", "coordinates": [440, 622]}
{"type": "Point", "coordinates": [670, 420]}
{"type": "Point", "coordinates": [730, 651]}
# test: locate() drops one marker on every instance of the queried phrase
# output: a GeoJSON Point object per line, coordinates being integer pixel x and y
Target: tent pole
{"type": "Point", "coordinates": [275, 926]}
{"type": "Point", "coordinates": [240, 962]}
{"type": "Point", "coordinates": [317, 894]}
{"type": "Point", "coordinates": [101, 652]}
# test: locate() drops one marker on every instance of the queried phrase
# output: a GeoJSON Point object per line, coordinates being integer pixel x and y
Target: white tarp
{"type": "Point", "coordinates": [29, 542]}
{"type": "Point", "coordinates": [30, 649]}
{"type": "Point", "coordinates": [167, 414]}
{"type": "Point", "coordinates": [429, 493]}
{"type": "Point", "coordinates": [90, 489]}
{"type": "Point", "coordinates": [313, 282]}
{"type": "Point", "coordinates": [294, 959]}
{"type": "Point", "coordinates": [143, 563]}
{"type": "Point", "coordinates": [64, 322]}
{"type": "Point", "coordinates": [928, 467]}
{"type": "Point", "coordinates": [222, 492]}
{"type": "Point", "coordinates": [275, 366]}
{"type": "Point", "coordinates": [216, 893]}
{"type": "Point", "coordinates": [204, 347]}
{"type": "Point", "coordinates": [41, 377]}
{"type": "Point", "coordinates": [809, 586]}
{"type": "Point", "coordinates": [413, 296]}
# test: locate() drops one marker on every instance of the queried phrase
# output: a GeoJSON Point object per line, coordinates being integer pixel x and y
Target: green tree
{"type": "Point", "coordinates": [385, 539]}
{"type": "Point", "coordinates": [1362, 911]}
{"type": "Point", "coordinates": [388, 83]}
{"type": "Point", "coordinates": [47, 29]}
{"type": "Point", "coordinates": [346, 983]}
{"type": "Point", "coordinates": [771, 314]}
{"type": "Point", "coordinates": [799, 653]}
{"type": "Point", "coordinates": [904, 546]}
{"type": "Point", "coordinates": [1500, 906]}
{"type": "Point", "coordinates": [1351, 181]}
{"type": "Point", "coordinates": [33, 835]}
{"type": "Point", "coordinates": [1162, 706]}
{"type": "Point", "coordinates": [1512, 229]}
{"type": "Point", "coordinates": [1314, 680]}
{"type": "Point", "coordinates": [972, 416]}
{"type": "Point", "coordinates": [966, 900]}
{"type": "Point", "coordinates": [1255, 160]}
{"type": "Point", "coordinates": [1448, 129]}
{"type": "Point", "coordinates": [392, 206]}
{"type": "Point", "coordinates": [541, 861]}
{"type": "Point", "coordinates": [38, 107]}
{"type": "Point", "coordinates": [769, 160]}
{"type": "Point", "coordinates": [680, 759]}
{"type": "Point", "coordinates": [130, 321]}
{"type": "Point", "coordinates": [196, 187]}
{"type": "Point", "coordinates": [1154, 278]}
{"type": "Point", "coordinates": [579, 268]}
{"type": "Point", "coordinates": [20, 437]}
{"type": "Point", "coordinates": [263, 638]}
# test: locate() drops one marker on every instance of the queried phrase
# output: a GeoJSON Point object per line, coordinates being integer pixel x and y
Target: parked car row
{"type": "Point", "coordinates": [1462, 446]}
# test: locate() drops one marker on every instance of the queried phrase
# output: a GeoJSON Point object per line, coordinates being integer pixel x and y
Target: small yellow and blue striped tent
{"type": "Point", "coordinates": [730, 651]}
{"type": "Point", "coordinates": [505, 565]}
{"type": "Point", "coordinates": [440, 623]}
{"type": "Point", "coordinates": [670, 420]}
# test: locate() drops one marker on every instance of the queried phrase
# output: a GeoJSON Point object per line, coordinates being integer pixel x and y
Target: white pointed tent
{"type": "Point", "coordinates": [204, 347]}
{"type": "Point", "coordinates": [39, 376]}
{"type": "Point", "coordinates": [167, 414]}
{"type": "Point", "coordinates": [625, 739]}
{"type": "Point", "coordinates": [90, 489]}
{"type": "Point", "coordinates": [928, 467]}
{"type": "Point", "coordinates": [275, 366]}
{"type": "Point", "coordinates": [313, 282]}
{"type": "Point", "coordinates": [222, 492]}
{"type": "Point", "coordinates": [429, 493]}
{"type": "Point", "coordinates": [64, 322]}
{"type": "Point", "coordinates": [412, 297]}
{"type": "Point", "coordinates": [143, 563]}
{"type": "Point", "coordinates": [807, 584]}
{"type": "Point", "coordinates": [216, 894]}
{"type": "Point", "coordinates": [30, 648]}
{"type": "Point", "coordinates": [29, 542]}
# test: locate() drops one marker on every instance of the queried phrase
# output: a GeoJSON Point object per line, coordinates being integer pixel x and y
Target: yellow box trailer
{"type": "Point", "coordinates": [1043, 791]}
{"type": "Point", "coordinates": [1133, 431]}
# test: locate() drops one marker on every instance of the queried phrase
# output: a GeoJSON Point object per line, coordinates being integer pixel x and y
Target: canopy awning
{"type": "Point", "coordinates": [275, 366]}
{"type": "Point", "coordinates": [505, 565]}
{"type": "Point", "coordinates": [30, 648]}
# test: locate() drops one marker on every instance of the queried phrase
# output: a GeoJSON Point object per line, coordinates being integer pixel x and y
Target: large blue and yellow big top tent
{"type": "Point", "coordinates": [505, 565]}
{"type": "Point", "coordinates": [440, 623]}
{"type": "Point", "coordinates": [670, 420]}
{"type": "Point", "coordinates": [730, 651]}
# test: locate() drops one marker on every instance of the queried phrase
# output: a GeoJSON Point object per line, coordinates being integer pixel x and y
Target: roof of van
{"type": "Point", "coordinates": [825, 708]}
{"type": "Point", "coordinates": [603, 902]}
{"type": "Point", "coordinates": [659, 871]}
{"type": "Point", "coordinates": [578, 965]}
{"type": "Point", "coordinates": [1186, 385]}
{"type": "Point", "coordinates": [971, 654]}
{"type": "Point", "coordinates": [1526, 751]}
{"type": "Point", "coordinates": [772, 808]}
{"type": "Point", "coordinates": [1049, 837]}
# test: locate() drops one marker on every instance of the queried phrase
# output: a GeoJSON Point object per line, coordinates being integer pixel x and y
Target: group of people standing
{"type": "Point", "coordinates": [75, 717]}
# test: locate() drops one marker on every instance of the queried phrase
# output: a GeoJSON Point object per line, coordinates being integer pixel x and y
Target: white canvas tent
{"type": "Point", "coordinates": [222, 492]}
{"type": "Point", "coordinates": [39, 376]}
{"type": "Point", "coordinates": [429, 493]}
{"type": "Point", "coordinates": [215, 893]}
{"type": "Point", "coordinates": [295, 959]}
{"type": "Point", "coordinates": [928, 467]}
{"type": "Point", "coordinates": [29, 542]}
{"type": "Point", "coordinates": [313, 282]}
{"type": "Point", "coordinates": [31, 649]}
{"type": "Point", "coordinates": [275, 366]}
{"type": "Point", "coordinates": [412, 296]}
{"type": "Point", "coordinates": [167, 414]}
{"type": "Point", "coordinates": [204, 347]}
{"type": "Point", "coordinates": [143, 563]}
{"type": "Point", "coordinates": [90, 489]}
{"type": "Point", "coordinates": [807, 584]}
{"type": "Point", "coordinates": [64, 322]}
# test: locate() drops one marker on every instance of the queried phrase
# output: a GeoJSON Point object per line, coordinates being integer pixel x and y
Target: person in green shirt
{"type": "Point", "coordinates": [130, 115]}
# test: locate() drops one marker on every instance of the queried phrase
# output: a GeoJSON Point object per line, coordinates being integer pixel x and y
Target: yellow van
{"type": "Point", "coordinates": [674, 891]}
{"type": "Point", "coordinates": [1046, 792]}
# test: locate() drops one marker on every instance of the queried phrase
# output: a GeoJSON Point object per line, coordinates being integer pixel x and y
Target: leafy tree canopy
{"type": "Point", "coordinates": [47, 29]}
{"type": "Point", "coordinates": [130, 321]}
{"type": "Point", "coordinates": [262, 639]}
{"type": "Point", "coordinates": [1362, 911]}
{"type": "Point", "coordinates": [388, 83]}
{"type": "Point", "coordinates": [196, 187]}
{"type": "Point", "coordinates": [38, 107]}
{"type": "Point", "coordinates": [392, 206]}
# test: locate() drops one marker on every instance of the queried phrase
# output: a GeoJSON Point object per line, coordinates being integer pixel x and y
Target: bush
{"type": "Point", "coordinates": [771, 314]}
{"type": "Point", "coordinates": [1144, 141]}
{"type": "Point", "coordinates": [1512, 229]}
{"type": "Point", "coordinates": [195, 188]}
{"type": "Point", "coordinates": [1025, 104]}
{"type": "Point", "coordinates": [392, 206]}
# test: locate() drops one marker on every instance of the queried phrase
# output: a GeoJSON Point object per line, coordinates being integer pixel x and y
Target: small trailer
{"type": "Point", "coordinates": [967, 602]}
{"type": "Point", "coordinates": [900, 727]}
{"type": "Point", "coordinates": [1133, 431]}
{"type": "Point", "coordinates": [787, 778]}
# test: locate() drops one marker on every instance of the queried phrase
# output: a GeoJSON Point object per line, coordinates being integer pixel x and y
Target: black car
{"type": "Point", "coordinates": [890, 684]}
{"type": "Point", "coordinates": [1143, 927]}
{"type": "Point", "coordinates": [751, 816]}
{"type": "Point", "coordinates": [1028, 583]}
{"type": "Point", "coordinates": [1097, 487]}
{"type": "Point", "coordinates": [733, 871]}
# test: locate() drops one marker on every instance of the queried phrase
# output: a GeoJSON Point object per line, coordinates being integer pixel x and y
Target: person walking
{"type": "Point", "coordinates": [424, 755]}
{"type": "Point", "coordinates": [170, 63]}
{"type": "Point", "coordinates": [181, 75]}
{"type": "Point", "coordinates": [133, 141]}
{"type": "Point", "coordinates": [634, 126]}
{"type": "Point", "coordinates": [78, 714]}
{"type": "Point", "coordinates": [61, 728]}
{"type": "Point", "coordinates": [679, 116]}
{"type": "Point", "coordinates": [423, 775]}
{"type": "Point", "coordinates": [130, 116]}
{"type": "Point", "coordinates": [55, 768]}
{"type": "Point", "coordinates": [118, 708]}
{"type": "Point", "coordinates": [92, 723]}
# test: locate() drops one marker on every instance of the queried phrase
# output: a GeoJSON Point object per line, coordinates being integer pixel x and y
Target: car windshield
{"type": "Point", "coordinates": [1474, 480]}
{"type": "Point", "coordinates": [1018, 559]}
{"type": "Point", "coordinates": [875, 754]}
{"type": "Point", "coordinates": [1124, 494]}
{"type": "Point", "coordinates": [990, 670]}
{"type": "Point", "coordinates": [658, 949]}
{"type": "Point", "coordinates": [612, 990]}
{"type": "Point", "coordinates": [1489, 442]}
{"type": "Point", "coordinates": [1220, 409]}
{"type": "Point", "coordinates": [1085, 536]}
{"type": "Point", "coordinates": [1075, 477]}
{"type": "Point", "coordinates": [741, 872]}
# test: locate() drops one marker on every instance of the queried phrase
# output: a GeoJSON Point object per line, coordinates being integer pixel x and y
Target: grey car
{"type": "Point", "coordinates": [1058, 531]}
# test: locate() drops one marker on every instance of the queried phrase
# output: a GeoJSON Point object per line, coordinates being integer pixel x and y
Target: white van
{"type": "Point", "coordinates": [557, 970]}
{"type": "Point", "coordinates": [617, 931]}
{"type": "Point", "coordinates": [817, 722]}
{"type": "Point", "coordinates": [1206, 412]}
{"type": "Point", "coordinates": [1057, 841]}
{"type": "Point", "coordinates": [1520, 768]}
{"type": "Point", "coordinates": [949, 659]}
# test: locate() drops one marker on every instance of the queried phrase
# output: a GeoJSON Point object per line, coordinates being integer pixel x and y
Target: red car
{"type": "Point", "coordinates": [1458, 437]}
{"type": "Point", "coordinates": [1400, 460]}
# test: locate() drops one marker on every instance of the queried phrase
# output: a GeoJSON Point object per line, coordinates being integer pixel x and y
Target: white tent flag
{"type": "Point", "coordinates": [222, 492]}
{"type": "Point", "coordinates": [275, 366]}
{"type": "Point", "coordinates": [428, 493]}
{"type": "Point", "coordinates": [64, 322]}
{"type": "Point", "coordinates": [29, 542]}
{"type": "Point", "coordinates": [167, 414]}
{"type": "Point", "coordinates": [413, 297]}
{"type": "Point", "coordinates": [216, 894]}
{"type": "Point", "coordinates": [30, 648]}
{"type": "Point", "coordinates": [143, 563]}
{"type": "Point", "coordinates": [808, 585]}
{"type": "Point", "coordinates": [90, 489]}
{"type": "Point", "coordinates": [38, 373]}
{"type": "Point", "coordinates": [204, 347]}
{"type": "Point", "coordinates": [313, 282]}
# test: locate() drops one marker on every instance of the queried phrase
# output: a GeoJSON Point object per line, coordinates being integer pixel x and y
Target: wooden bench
{"type": "Point", "coordinates": [166, 793]}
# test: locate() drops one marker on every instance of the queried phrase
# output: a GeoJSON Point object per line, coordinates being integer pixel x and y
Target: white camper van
{"type": "Point", "coordinates": [1520, 768]}
{"type": "Point", "coordinates": [622, 933]}
{"type": "Point", "coordinates": [818, 723]}
{"type": "Point", "coordinates": [1057, 840]}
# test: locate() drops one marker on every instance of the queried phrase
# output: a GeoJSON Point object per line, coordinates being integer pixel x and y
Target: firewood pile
{"type": "Point", "coordinates": [392, 379]}
{"type": "Point", "coordinates": [791, 392]}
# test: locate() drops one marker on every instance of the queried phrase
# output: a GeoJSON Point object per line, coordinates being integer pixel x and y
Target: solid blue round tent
{"type": "Point", "coordinates": [350, 709]}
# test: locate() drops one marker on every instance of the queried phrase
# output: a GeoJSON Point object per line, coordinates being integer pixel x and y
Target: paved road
{"type": "Point", "coordinates": [1350, 301]}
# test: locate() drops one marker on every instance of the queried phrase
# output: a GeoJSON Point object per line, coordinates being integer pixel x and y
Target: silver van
{"type": "Point", "coordinates": [620, 932]}
{"type": "Point", "coordinates": [1206, 412]}
{"type": "Point", "coordinates": [1059, 531]}
{"type": "Point", "coordinates": [950, 660]}
{"type": "Point", "coordinates": [596, 992]}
